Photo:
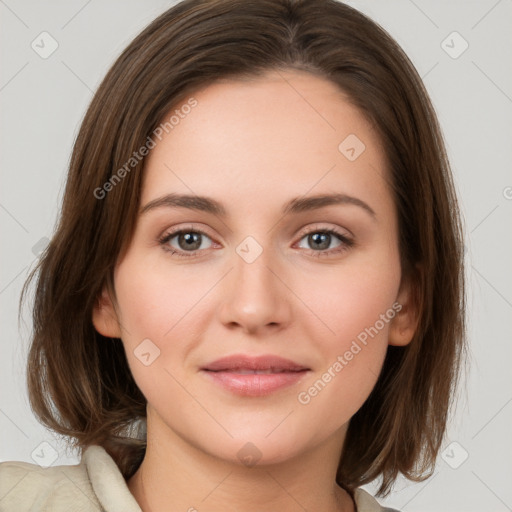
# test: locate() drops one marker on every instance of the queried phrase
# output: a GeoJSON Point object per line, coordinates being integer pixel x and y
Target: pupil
{"type": "Point", "coordinates": [320, 240]}
{"type": "Point", "coordinates": [189, 241]}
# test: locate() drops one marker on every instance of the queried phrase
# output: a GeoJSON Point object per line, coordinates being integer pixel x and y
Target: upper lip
{"type": "Point", "coordinates": [246, 362]}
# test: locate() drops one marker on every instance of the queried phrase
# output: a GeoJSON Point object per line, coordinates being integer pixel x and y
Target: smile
{"type": "Point", "coordinates": [254, 375]}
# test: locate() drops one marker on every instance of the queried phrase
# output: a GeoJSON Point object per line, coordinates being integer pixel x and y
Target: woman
{"type": "Point", "coordinates": [254, 297]}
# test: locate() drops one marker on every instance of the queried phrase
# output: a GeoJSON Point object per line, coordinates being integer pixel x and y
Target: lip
{"type": "Point", "coordinates": [254, 375]}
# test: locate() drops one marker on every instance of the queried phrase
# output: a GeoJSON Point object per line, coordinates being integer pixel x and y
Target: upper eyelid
{"type": "Point", "coordinates": [186, 229]}
{"type": "Point", "coordinates": [302, 232]}
{"type": "Point", "coordinates": [318, 227]}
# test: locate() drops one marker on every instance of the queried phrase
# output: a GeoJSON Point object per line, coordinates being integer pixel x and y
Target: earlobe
{"type": "Point", "coordinates": [104, 316]}
{"type": "Point", "coordinates": [405, 323]}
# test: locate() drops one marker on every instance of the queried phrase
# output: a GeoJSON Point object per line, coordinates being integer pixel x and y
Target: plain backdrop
{"type": "Point", "coordinates": [460, 49]}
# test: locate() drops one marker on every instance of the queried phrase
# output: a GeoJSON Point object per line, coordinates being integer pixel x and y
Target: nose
{"type": "Point", "coordinates": [255, 298]}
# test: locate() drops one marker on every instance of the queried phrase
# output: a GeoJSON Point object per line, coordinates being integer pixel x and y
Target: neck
{"type": "Point", "coordinates": [175, 475]}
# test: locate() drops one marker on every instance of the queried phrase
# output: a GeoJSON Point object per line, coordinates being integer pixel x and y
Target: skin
{"type": "Point", "coordinates": [253, 146]}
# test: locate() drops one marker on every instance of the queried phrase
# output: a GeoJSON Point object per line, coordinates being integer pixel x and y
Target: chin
{"type": "Point", "coordinates": [254, 445]}
{"type": "Point", "coordinates": [258, 452]}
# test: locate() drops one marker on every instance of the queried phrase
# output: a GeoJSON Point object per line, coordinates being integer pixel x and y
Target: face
{"type": "Point", "coordinates": [286, 247]}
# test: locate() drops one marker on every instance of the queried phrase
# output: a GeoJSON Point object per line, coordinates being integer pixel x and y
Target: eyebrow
{"type": "Point", "coordinates": [297, 205]}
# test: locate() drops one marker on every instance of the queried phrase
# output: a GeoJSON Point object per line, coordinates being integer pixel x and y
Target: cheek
{"type": "Point", "coordinates": [150, 308]}
{"type": "Point", "coordinates": [155, 305]}
{"type": "Point", "coordinates": [347, 301]}
{"type": "Point", "coordinates": [167, 309]}
{"type": "Point", "coordinates": [358, 309]}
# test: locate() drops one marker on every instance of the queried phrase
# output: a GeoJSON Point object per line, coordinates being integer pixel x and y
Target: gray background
{"type": "Point", "coordinates": [43, 101]}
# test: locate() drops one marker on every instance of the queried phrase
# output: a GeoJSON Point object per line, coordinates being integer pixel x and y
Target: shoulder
{"type": "Point", "coordinates": [96, 484]}
{"type": "Point", "coordinates": [29, 487]}
{"type": "Point", "coordinates": [367, 503]}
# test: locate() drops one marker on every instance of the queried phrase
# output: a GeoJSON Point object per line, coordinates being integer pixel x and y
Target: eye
{"type": "Point", "coordinates": [188, 242]}
{"type": "Point", "coordinates": [180, 242]}
{"type": "Point", "coordinates": [325, 240]}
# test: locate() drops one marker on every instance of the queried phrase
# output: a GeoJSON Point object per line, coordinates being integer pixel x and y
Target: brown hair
{"type": "Point", "coordinates": [79, 382]}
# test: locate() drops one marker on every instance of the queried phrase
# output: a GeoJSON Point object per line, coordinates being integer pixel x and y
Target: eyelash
{"type": "Point", "coordinates": [346, 242]}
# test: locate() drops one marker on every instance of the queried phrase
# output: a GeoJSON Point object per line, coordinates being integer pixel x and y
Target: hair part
{"type": "Point", "coordinates": [79, 382]}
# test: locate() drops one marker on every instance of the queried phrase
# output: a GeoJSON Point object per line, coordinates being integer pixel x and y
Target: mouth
{"type": "Point", "coordinates": [254, 376]}
{"type": "Point", "coordinates": [248, 371]}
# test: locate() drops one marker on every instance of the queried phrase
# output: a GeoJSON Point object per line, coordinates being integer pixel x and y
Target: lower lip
{"type": "Point", "coordinates": [255, 384]}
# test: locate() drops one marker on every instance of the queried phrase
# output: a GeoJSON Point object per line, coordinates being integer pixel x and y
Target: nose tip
{"type": "Point", "coordinates": [254, 298]}
{"type": "Point", "coordinates": [250, 322]}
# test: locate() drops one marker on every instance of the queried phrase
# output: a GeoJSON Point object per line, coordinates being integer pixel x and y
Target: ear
{"type": "Point", "coordinates": [405, 323]}
{"type": "Point", "coordinates": [104, 316]}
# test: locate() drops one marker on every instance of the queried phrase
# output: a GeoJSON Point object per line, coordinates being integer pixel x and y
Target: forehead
{"type": "Point", "coordinates": [286, 132]}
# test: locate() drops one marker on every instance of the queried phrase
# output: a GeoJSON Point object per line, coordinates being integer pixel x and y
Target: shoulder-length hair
{"type": "Point", "coordinates": [79, 382]}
